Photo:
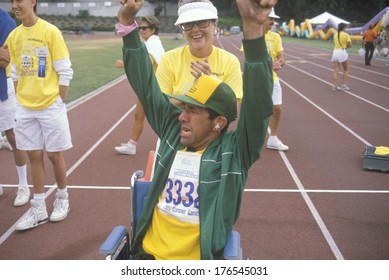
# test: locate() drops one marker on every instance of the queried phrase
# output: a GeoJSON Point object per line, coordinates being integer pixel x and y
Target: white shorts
{"type": "Point", "coordinates": [340, 55]}
{"type": "Point", "coordinates": [277, 93]}
{"type": "Point", "coordinates": [7, 108]}
{"type": "Point", "coordinates": [46, 129]}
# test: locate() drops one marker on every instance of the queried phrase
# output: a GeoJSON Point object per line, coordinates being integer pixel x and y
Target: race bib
{"type": "Point", "coordinates": [180, 197]}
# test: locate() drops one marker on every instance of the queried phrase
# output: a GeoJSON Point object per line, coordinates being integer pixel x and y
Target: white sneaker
{"type": "Point", "coordinates": [274, 143]}
{"type": "Point", "coordinates": [61, 208]}
{"type": "Point", "coordinates": [22, 196]}
{"type": "Point", "coordinates": [334, 88]}
{"type": "Point", "coordinates": [5, 144]}
{"type": "Point", "coordinates": [1, 190]}
{"type": "Point", "coordinates": [344, 87]}
{"type": "Point", "coordinates": [36, 215]}
{"type": "Point", "coordinates": [126, 148]}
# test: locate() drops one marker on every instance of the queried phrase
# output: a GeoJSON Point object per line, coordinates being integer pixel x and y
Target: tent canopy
{"type": "Point", "coordinates": [324, 17]}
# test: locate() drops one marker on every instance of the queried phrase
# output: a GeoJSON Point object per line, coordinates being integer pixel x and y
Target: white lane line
{"type": "Point", "coordinates": [71, 169]}
{"type": "Point", "coordinates": [365, 69]}
{"type": "Point", "coordinates": [74, 104]}
{"type": "Point", "coordinates": [253, 190]}
{"type": "Point", "coordinates": [99, 141]}
{"type": "Point", "coordinates": [350, 76]}
{"type": "Point", "coordinates": [319, 191]}
{"type": "Point", "coordinates": [328, 115]}
{"type": "Point", "coordinates": [312, 208]}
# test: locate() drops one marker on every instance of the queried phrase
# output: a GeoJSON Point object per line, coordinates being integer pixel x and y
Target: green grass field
{"type": "Point", "coordinates": [93, 61]}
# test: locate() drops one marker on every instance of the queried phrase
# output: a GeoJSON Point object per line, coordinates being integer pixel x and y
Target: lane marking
{"type": "Point", "coordinates": [352, 58]}
{"type": "Point", "coordinates": [328, 83]}
{"type": "Point", "coordinates": [79, 101]}
{"type": "Point", "coordinates": [251, 189]}
{"type": "Point", "coordinates": [350, 76]}
{"type": "Point", "coordinates": [312, 208]}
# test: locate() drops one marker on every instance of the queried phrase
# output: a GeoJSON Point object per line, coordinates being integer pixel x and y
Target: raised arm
{"type": "Point", "coordinates": [257, 105]}
{"type": "Point", "coordinates": [128, 11]}
{"type": "Point", "coordinates": [254, 14]}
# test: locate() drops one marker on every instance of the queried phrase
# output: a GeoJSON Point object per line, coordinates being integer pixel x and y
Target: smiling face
{"type": "Point", "coordinates": [24, 11]}
{"type": "Point", "coordinates": [200, 39]}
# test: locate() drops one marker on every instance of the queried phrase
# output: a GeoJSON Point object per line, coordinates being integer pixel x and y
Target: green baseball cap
{"type": "Point", "coordinates": [209, 92]}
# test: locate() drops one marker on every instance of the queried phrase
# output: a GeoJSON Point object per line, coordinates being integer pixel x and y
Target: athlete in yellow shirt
{"type": "Point", "coordinates": [41, 70]}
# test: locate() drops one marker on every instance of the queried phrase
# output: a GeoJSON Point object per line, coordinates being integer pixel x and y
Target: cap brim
{"type": "Point", "coordinates": [195, 15]}
{"type": "Point", "coordinates": [187, 100]}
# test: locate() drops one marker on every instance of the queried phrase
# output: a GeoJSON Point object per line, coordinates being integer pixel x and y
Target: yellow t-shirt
{"type": "Point", "coordinates": [34, 50]}
{"type": "Point", "coordinates": [155, 64]}
{"type": "Point", "coordinates": [174, 232]}
{"type": "Point", "coordinates": [274, 46]}
{"type": "Point", "coordinates": [174, 77]}
{"type": "Point", "coordinates": [344, 39]}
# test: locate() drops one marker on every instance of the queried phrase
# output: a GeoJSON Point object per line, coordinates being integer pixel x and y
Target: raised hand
{"type": "Point", "coordinates": [254, 14]}
{"type": "Point", "coordinates": [128, 10]}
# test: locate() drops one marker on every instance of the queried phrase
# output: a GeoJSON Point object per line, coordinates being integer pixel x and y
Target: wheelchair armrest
{"type": "Point", "coordinates": [114, 240]}
{"type": "Point", "coordinates": [232, 250]}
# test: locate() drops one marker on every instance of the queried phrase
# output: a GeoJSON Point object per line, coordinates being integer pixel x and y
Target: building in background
{"type": "Point", "coordinates": [98, 8]}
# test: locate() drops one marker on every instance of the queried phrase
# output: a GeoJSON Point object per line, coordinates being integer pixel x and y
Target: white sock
{"type": "Point", "coordinates": [22, 175]}
{"type": "Point", "coordinates": [62, 191]}
{"type": "Point", "coordinates": [40, 198]}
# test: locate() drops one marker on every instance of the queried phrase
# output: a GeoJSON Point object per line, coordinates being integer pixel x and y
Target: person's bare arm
{"type": "Point", "coordinates": [128, 11]}
{"type": "Point", "coordinates": [254, 14]}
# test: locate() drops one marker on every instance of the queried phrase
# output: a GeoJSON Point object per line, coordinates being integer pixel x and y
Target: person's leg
{"type": "Point", "coordinates": [129, 148]}
{"type": "Point", "coordinates": [59, 168]}
{"type": "Point", "coordinates": [275, 119]}
{"type": "Point", "coordinates": [55, 126]}
{"type": "Point", "coordinates": [335, 72]}
{"type": "Point", "coordinates": [273, 142]}
{"type": "Point", "coordinates": [370, 52]}
{"type": "Point", "coordinates": [37, 170]}
{"type": "Point", "coordinates": [61, 203]}
{"type": "Point", "coordinates": [366, 54]}
{"type": "Point", "coordinates": [387, 61]}
{"type": "Point", "coordinates": [29, 137]}
{"type": "Point", "coordinates": [139, 122]}
{"type": "Point", "coordinates": [345, 65]}
{"type": "Point", "coordinates": [23, 193]}
{"type": "Point", "coordinates": [37, 214]}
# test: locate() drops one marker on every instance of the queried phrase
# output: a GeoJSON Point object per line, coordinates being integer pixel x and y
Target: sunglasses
{"type": "Point", "coordinates": [201, 24]}
{"type": "Point", "coordinates": [144, 27]}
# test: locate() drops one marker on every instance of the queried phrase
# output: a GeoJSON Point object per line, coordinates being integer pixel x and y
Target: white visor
{"type": "Point", "coordinates": [273, 14]}
{"type": "Point", "coordinates": [195, 12]}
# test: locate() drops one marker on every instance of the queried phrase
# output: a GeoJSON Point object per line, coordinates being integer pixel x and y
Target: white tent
{"type": "Point", "coordinates": [324, 17]}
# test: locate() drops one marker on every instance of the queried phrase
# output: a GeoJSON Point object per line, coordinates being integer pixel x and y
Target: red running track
{"type": "Point", "coordinates": [313, 202]}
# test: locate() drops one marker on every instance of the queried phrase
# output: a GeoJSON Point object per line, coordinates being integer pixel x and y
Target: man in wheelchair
{"type": "Point", "coordinates": [201, 167]}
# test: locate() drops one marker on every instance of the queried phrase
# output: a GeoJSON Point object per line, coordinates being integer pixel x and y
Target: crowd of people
{"type": "Point", "coordinates": [198, 90]}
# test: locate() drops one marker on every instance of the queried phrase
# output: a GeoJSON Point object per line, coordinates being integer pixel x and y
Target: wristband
{"type": "Point", "coordinates": [123, 30]}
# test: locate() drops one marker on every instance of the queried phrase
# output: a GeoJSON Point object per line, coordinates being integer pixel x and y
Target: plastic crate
{"type": "Point", "coordinates": [372, 161]}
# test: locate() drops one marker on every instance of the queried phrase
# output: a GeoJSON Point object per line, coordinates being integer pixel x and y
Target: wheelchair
{"type": "Point", "coordinates": [118, 244]}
